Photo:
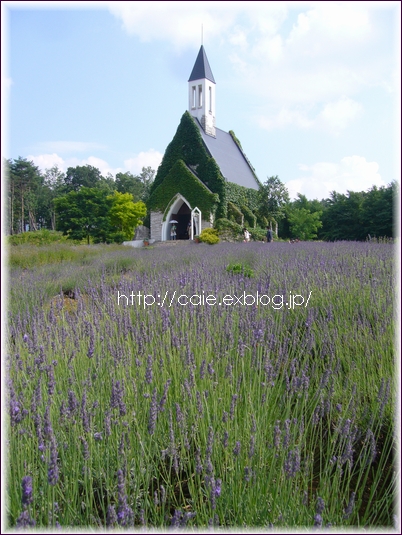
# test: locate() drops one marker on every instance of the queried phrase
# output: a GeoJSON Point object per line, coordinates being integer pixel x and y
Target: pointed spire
{"type": "Point", "coordinates": [201, 68]}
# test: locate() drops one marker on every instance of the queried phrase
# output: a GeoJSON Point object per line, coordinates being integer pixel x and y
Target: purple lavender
{"type": "Point", "coordinates": [277, 435]}
{"type": "Point", "coordinates": [236, 449]}
{"type": "Point", "coordinates": [349, 509]}
{"type": "Point", "coordinates": [153, 413]}
{"type": "Point", "coordinates": [317, 520]}
{"type": "Point", "coordinates": [26, 491]}
{"type": "Point", "coordinates": [292, 463]}
{"type": "Point", "coordinates": [148, 372]}
{"type": "Point", "coordinates": [125, 515]}
{"type": "Point", "coordinates": [111, 517]}
{"type": "Point", "coordinates": [53, 471]}
{"type": "Point", "coordinates": [163, 399]}
{"type": "Point", "coordinates": [198, 463]}
{"type": "Point", "coordinates": [320, 505]}
{"type": "Point", "coordinates": [232, 406]}
{"type": "Point", "coordinates": [84, 412]}
{"type": "Point", "coordinates": [24, 520]}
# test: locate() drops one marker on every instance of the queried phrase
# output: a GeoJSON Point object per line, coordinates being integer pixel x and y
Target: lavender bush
{"type": "Point", "coordinates": [243, 415]}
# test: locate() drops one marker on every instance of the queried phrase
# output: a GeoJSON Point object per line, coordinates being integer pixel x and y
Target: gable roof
{"type": "Point", "coordinates": [231, 160]}
{"type": "Point", "coordinates": [201, 68]}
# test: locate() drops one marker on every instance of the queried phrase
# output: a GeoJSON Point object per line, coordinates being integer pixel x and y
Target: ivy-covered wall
{"type": "Point", "coordinates": [173, 176]}
{"type": "Point", "coordinates": [181, 180]}
{"type": "Point", "coordinates": [187, 145]}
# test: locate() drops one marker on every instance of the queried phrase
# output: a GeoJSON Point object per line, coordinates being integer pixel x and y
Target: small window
{"type": "Point", "coordinates": [200, 96]}
{"type": "Point", "coordinates": [193, 97]}
{"type": "Point", "coordinates": [210, 99]}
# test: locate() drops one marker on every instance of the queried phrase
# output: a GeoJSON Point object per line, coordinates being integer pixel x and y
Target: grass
{"type": "Point", "coordinates": [231, 416]}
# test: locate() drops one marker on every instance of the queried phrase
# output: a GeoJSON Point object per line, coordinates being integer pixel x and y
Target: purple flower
{"type": "Point", "coordinates": [318, 520]}
{"type": "Point", "coordinates": [349, 509]}
{"type": "Point", "coordinates": [232, 406]}
{"type": "Point", "coordinates": [153, 413]}
{"type": "Point", "coordinates": [292, 463]}
{"type": "Point", "coordinates": [148, 372]}
{"type": "Point", "coordinates": [236, 449]}
{"type": "Point", "coordinates": [111, 517]}
{"type": "Point", "coordinates": [24, 520]}
{"type": "Point", "coordinates": [26, 491]}
{"type": "Point", "coordinates": [277, 435]}
{"type": "Point", "coordinates": [252, 446]}
{"type": "Point", "coordinates": [319, 508]}
{"type": "Point", "coordinates": [53, 471]}
{"type": "Point", "coordinates": [125, 515]}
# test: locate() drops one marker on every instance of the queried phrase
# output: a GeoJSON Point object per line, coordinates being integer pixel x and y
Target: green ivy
{"type": "Point", "coordinates": [234, 214]}
{"type": "Point", "coordinates": [181, 180]}
{"type": "Point", "coordinates": [249, 217]}
{"type": "Point", "coordinates": [188, 146]}
{"type": "Point", "coordinates": [240, 195]}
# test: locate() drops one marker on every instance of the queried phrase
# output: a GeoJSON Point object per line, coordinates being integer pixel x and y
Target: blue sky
{"type": "Point", "coordinates": [311, 89]}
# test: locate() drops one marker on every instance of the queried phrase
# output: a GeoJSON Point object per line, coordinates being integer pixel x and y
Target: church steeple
{"type": "Point", "coordinates": [201, 86]}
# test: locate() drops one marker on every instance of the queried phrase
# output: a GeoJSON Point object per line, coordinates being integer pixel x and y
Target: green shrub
{"type": "Point", "coordinates": [240, 269]}
{"type": "Point", "coordinates": [209, 235]}
{"type": "Point", "coordinates": [37, 237]}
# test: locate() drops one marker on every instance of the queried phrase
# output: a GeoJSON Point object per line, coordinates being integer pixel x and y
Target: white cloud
{"type": "Point", "coordinates": [338, 115]}
{"type": "Point", "coordinates": [176, 22]}
{"type": "Point", "coordinates": [151, 158]}
{"type": "Point", "coordinates": [352, 173]}
{"type": "Point", "coordinates": [47, 161]}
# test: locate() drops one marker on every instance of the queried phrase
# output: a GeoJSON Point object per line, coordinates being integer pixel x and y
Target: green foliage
{"type": "Point", "coordinates": [304, 224]}
{"type": "Point", "coordinates": [258, 233]}
{"type": "Point", "coordinates": [358, 215]}
{"type": "Point", "coordinates": [82, 176]}
{"type": "Point", "coordinates": [249, 217]}
{"type": "Point", "coordinates": [272, 199]}
{"type": "Point", "coordinates": [229, 229]}
{"type": "Point", "coordinates": [37, 237]}
{"type": "Point", "coordinates": [181, 180]}
{"type": "Point", "coordinates": [187, 145]}
{"type": "Point", "coordinates": [85, 214]}
{"type": "Point", "coordinates": [240, 269]}
{"type": "Point", "coordinates": [138, 186]}
{"type": "Point", "coordinates": [235, 214]}
{"type": "Point", "coordinates": [242, 196]}
{"type": "Point", "coordinates": [209, 235]}
{"type": "Point", "coordinates": [125, 214]}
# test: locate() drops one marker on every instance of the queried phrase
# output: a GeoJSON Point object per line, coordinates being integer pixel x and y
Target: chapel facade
{"type": "Point", "coordinates": [203, 167]}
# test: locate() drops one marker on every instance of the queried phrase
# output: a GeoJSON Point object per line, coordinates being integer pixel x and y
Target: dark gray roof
{"type": "Point", "coordinates": [232, 162]}
{"type": "Point", "coordinates": [201, 68]}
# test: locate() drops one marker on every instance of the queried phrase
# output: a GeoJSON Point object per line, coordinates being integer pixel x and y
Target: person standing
{"type": "Point", "coordinates": [246, 235]}
{"type": "Point", "coordinates": [189, 230]}
{"type": "Point", "coordinates": [173, 232]}
{"type": "Point", "coordinates": [270, 237]}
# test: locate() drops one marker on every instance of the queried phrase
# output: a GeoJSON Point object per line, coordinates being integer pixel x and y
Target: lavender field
{"type": "Point", "coordinates": [125, 414]}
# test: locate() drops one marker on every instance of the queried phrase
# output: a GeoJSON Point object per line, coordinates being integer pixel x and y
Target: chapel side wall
{"type": "Point", "coordinates": [156, 225]}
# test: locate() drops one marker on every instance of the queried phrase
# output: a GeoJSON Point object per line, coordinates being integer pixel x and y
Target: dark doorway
{"type": "Point", "coordinates": [182, 217]}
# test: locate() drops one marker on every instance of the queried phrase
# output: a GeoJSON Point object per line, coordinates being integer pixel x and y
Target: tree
{"type": "Point", "coordinates": [124, 214]}
{"type": "Point", "coordinates": [272, 199]}
{"type": "Point", "coordinates": [86, 175]}
{"type": "Point", "coordinates": [84, 214]}
{"type": "Point", "coordinates": [303, 223]}
{"type": "Point", "coordinates": [128, 183]}
{"type": "Point", "coordinates": [24, 184]}
{"type": "Point", "coordinates": [55, 187]}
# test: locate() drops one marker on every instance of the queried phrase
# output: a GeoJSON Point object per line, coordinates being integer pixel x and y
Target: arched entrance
{"type": "Point", "coordinates": [180, 211]}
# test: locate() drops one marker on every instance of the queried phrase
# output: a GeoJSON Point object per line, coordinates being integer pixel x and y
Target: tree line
{"type": "Point", "coordinates": [83, 204]}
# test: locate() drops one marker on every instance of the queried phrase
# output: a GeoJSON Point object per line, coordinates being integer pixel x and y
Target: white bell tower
{"type": "Point", "coordinates": [201, 93]}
